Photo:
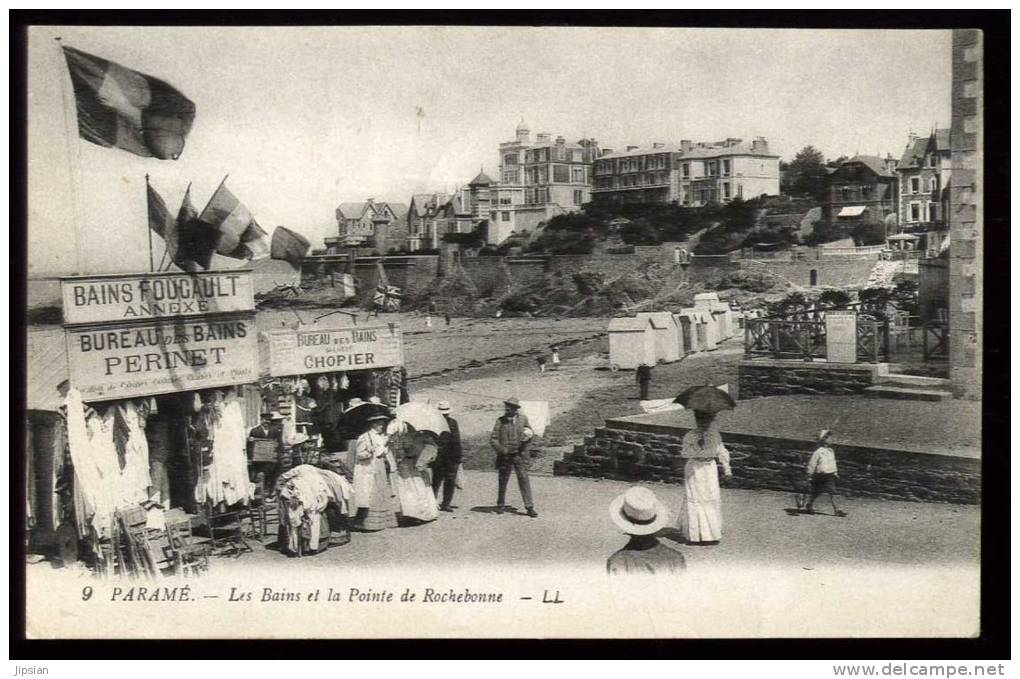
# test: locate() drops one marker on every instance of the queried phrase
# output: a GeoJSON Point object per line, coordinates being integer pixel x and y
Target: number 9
{"type": "Point", "coordinates": [86, 593]}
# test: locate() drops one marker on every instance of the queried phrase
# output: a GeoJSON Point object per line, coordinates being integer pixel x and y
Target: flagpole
{"type": "Point", "coordinates": [148, 229]}
{"type": "Point", "coordinates": [74, 168]}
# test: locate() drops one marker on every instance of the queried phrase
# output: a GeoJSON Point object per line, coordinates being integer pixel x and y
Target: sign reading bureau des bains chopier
{"type": "Point", "coordinates": [147, 334]}
{"type": "Point", "coordinates": [133, 297]}
{"type": "Point", "coordinates": [314, 350]}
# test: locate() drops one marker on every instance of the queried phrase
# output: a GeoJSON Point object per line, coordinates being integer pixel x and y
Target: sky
{"type": "Point", "coordinates": [302, 118]}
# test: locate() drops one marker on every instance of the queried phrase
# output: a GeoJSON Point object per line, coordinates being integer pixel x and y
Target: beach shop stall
{"type": "Point", "coordinates": [631, 343]}
{"type": "Point", "coordinates": [153, 407]}
{"type": "Point", "coordinates": [317, 378]}
{"type": "Point", "coordinates": [666, 332]}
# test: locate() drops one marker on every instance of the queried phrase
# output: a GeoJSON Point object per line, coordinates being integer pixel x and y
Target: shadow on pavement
{"type": "Point", "coordinates": [494, 509]}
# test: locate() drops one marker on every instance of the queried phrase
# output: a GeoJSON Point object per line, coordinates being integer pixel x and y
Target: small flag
{"type": "Point", "coordinates": [194, 247]}
{"type": "Point", "coordinates": [160, 220]}
{"type": "Point", "coordinates": [254, 243]}
{"type": "Point", "coordinates": [387, 298]}
{"type": "Point", "coordinates": [237, 234]}
{"type": "Point", "coordinates": [289, 246]}
{"type": "Point", "coordinates": [345, 282]}
{"type": "Point", "coordinates": [118, 107]}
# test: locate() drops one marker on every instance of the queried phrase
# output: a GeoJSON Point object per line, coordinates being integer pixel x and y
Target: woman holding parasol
{"type": "Point", "coordinates": [700, 518]}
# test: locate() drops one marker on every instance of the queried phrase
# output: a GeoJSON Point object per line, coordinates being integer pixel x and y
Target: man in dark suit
{"type": "Point", "coordinates": [511, 439]}
{"type": "Point", "coordinates": [451, 454]}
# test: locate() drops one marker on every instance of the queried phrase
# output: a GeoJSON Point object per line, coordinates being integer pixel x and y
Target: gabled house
{"type": "Point", "coordinates": [861, 190]}
{"type": "Point", "coordinates": [924, 172]}
{"type": "Point", "coordinates": [369, 224]}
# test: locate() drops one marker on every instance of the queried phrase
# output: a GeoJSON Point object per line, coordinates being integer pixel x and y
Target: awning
{"type": "Point", "coordinates": [852, 211]}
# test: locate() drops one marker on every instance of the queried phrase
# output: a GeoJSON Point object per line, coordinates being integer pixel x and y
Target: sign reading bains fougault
{"type": "Point", "coordinates": [159, 357]}
{"type": "Point", "coordinates": [132, 297]}
{"type": "Point", "coordinates": [317, 350]}
{"type": "Point", "coordinates": [147, 334]}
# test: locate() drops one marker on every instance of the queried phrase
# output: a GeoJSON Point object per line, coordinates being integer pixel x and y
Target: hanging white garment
{"type": "Point", "coordinates": [88, 482]}
{"type": "Point", "coordinates": [135, 478]}
{"type": "Point", "coordinates": [227, 477]}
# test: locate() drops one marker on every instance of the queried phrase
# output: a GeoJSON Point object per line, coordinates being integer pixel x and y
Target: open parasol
{"type": "Point", "coordinates": [357, 417]}
{"type": "Point", "coordinates": [422, 417]}
{"type": "Point", "coordinates": [706, 399]}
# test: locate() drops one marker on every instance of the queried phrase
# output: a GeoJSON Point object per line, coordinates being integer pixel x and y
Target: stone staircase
{"type": "Point", "coordinates": [910, 387]}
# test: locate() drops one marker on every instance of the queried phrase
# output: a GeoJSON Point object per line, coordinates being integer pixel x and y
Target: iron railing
{"type": "Point", "coordinates": [805, 339]}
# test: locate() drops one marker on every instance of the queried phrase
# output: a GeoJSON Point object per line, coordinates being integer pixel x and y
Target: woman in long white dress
{"type": "Point", "coordinates": [373, 495]}
{"type": "Point", "coordinates": [414, 452]}
{"type": "Point", "coordinates": [701, 512]}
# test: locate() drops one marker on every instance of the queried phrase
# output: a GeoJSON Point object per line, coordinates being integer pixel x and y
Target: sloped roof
{"type": "Point", "coordinates": [629, 324]}
{"type": "Point", "coordinates": [399, 209]}
{"type": "Point", "coordinates": [740, 149]}
{"type": "Point", "coordinates": [913, 155]}
{"type": "Point", "coordinates": [352, 210]}
{"type": "Point", "coordinates": [46, 368]}
{"type": "Point", "coordinates": [481, 179]}
{"type": "Point", "coordinates": [942, 139]}
{"type": "Point", "coordinates": [660, 319]}
{"type": "Point", "coordinates": [873, 163]}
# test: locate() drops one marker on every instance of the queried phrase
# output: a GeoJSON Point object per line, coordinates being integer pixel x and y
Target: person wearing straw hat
{"type": "Point", "coordinates": [822, 473]}
{"type": "Point", "coordinates": [373, 495]}
{"type": "Point", "coordinates": [640, 514]}
{"type": "Point", "coordinates": [511, 439]}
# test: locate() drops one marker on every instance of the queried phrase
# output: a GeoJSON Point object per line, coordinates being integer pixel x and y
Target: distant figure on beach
{"type": "Point", "coordinates": [822, 473]}
{"type": "Point", "coordinates": [428, 321]}
{"type": "Point", "coordinates": [541, 364]}
{"type": "Point", "coordinates": [555, 358]}
{"type": "Point", "coordinates": [499, 313]}
{"type": "Point", "coordinates": [640, 514]}
{"type": "Point", "coordinates": [644, 378]}
{"type": "Point", "coordinates": [446, 317]}
{"type": "Point", "coordinates": [701, 512]}
{"type": "Point", "coordinates": [447, 462]}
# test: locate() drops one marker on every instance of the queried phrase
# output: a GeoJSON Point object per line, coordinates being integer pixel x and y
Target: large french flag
{"type": "Point", "coordinates": [121, 108]}
{"type": "Point", "coordinates": [237, 234]}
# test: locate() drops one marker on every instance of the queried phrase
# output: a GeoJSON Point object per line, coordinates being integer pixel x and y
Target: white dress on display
{"type": "Point", "coordinates": [227, 480]}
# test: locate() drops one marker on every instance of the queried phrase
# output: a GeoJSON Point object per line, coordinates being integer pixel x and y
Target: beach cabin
{"type": "Point", "coordinates": [666, 332]}
{"type": "Point", "coordinates": [685, 334]}
{"type": "Point", "coordinates": [720, 311]}
{"type": "Point", "coordinates": [705, 338]}
{"type": "Point", "coordinates": [631, 343]}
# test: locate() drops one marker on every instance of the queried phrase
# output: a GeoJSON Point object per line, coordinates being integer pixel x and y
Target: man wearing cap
{"type": "Point", "coordinates": [640, 514]}
{"type": "Point", "coordinates": [444, 468]}
{"type": "Point", "coordinates": [511, 439]}
{"type": "Point", "coordinates": [270, 428]}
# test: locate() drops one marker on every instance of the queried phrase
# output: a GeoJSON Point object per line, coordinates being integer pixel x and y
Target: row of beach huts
{"type": "Point", "coordinates": [666, 336]}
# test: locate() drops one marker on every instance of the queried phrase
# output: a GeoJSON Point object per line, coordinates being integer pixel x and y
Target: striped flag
{"type": "Point", "coordinates": [289, 246]}
{"type": "Point", "coordinates": [121, 108]}
{"type": "Point", "coordinates": [160, 220]}
{"type": "Point", "coordinates": [345, 282]}
{"type": "Point", "coordinates": [237, 234]}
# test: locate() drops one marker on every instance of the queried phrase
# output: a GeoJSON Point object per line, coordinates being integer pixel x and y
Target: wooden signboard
{"type": "Point", "coordinates": [128, 360]}
{"type": "Point", "coordinates": [135, 297]}
{"type": "Point", "coordinates": [841, 336]}
{"type": "Point", "coordinates": [310, 350]}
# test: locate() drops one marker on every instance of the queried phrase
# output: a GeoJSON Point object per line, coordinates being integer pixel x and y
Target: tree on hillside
{"type": "Point", "coordinates": [806, 174]}
{"type": "Point", "coordinates": [639, 232]}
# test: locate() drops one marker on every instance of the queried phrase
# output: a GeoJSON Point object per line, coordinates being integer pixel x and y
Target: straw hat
{"type": "Point", "coordinates": [639, 512]}
{"type": "Point", "coordinates": [512, 401]}
{"type": "Point", "coordinates": [443, 407]}
{"type": "Point", "coordinates": [823, 435]}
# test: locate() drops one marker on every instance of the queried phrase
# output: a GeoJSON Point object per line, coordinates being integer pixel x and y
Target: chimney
{"type": "Point", "coordinates": [685, 145]}
{"type": "Point", "coordinates": [760, 145]}
{"type": "Point", "coordinates": [560, 141]}
{"type": "Point", "coordinates": [607, 152]}
{"type": "Point", "coordinates": [542, 138]}
{"type": "Point", "coordinates": [632, 148]}
{"type": "Point", "coordinates": [731, 141]}
{"type": "Point", "coordinates": [658, 145]}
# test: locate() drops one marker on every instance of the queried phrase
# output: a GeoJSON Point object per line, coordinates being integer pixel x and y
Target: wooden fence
{"type": "Point", "coordinates": [805, 339]}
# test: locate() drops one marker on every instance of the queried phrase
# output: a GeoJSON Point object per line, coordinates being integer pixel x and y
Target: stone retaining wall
{"type": "Point", "coordinates": [771, 377]}
{"type": "Point", "coordinates": [632, 451]}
